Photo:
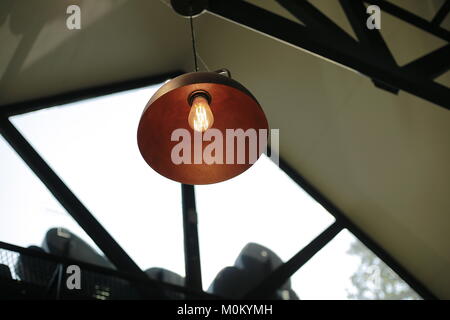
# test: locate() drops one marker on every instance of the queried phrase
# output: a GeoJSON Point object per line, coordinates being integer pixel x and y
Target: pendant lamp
{"type": "Point", "coordinates": [208, 105]}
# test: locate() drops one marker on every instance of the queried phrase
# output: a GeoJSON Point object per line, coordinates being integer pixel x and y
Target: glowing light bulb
{"type": "Point", "coordinates": [200, 117]}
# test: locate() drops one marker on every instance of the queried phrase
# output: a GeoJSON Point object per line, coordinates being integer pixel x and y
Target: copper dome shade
{"type": "Point", "coordinates": [233, 106]}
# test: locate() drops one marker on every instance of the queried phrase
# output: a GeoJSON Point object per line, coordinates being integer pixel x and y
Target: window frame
{"type": "Point", "coordinates": [192, 255]}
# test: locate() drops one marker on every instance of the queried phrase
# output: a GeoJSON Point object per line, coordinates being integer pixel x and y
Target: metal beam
{"type": "Point", "coordinates": [371, 40]}
{"type": "Point", "coordinates": [295, 34]}
{"type": "Point", "coordinates": [314, 19]}
{"type": "Point", "coordinates": [191, 246]}
{"type": "Point", "coordinates": [431, 65]}
{"type": "Point", "coordinates": [68, 200]}
{"type": "Point", "coordinates": [411, 18]}
{"type": "Point", "coordinates": [441, 14]}
{"type": "Point", "coordinates": [280, 275]}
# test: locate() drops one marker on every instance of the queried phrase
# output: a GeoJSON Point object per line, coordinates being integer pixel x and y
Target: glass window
{"type": "Point", "coordinates": [28, 209]}
{"type": "Point", "coordinates": [262, 205]}
{"type": "Point", "coordinates": [92, 146]}
{"type": "Point", "coordinates": [346, 269]}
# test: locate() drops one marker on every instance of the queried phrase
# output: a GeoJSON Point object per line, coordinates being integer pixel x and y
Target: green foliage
{"type": "Point", "coordinates": [374, 280]}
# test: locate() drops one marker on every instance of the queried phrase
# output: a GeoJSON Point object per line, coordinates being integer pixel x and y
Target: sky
{"type": "Point", "coordinates": [92, 146]}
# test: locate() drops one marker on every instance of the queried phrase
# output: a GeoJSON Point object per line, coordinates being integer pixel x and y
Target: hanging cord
{"type": "Point", "coordinates": [193, 44]}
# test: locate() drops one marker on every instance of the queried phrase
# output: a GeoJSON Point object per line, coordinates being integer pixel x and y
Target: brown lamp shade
{"type": "Point", "coordinates": [233, 107]}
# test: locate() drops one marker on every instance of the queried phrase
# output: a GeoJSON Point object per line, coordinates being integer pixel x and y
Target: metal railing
{"type": "Point", "coordinates": [32, 274]}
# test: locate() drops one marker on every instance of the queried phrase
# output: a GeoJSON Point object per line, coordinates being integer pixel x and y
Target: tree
{"type": "Point", "coordinates": [375, 280]}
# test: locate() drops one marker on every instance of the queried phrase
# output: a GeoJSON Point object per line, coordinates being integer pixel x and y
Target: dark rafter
{"type": "Point", "coordinates": [314, 19]}
{"type": "Point", "coordinates": [411, 18]}
{"type": "Point", "coordinates": [371, 40]}
{"type": "Point", "coordinates": [441, 14]}
{"type": "Point", "coordinates": [431, 65]}
{"type": "Point", "coordinates": [322, 44]}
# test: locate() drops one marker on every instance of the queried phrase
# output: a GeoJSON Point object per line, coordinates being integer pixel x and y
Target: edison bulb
{"type": "Point", "coordinates": [200, 117]}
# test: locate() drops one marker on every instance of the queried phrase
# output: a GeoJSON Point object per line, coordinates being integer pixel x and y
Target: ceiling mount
{"type": "Point", "coordinates": [188, 8]}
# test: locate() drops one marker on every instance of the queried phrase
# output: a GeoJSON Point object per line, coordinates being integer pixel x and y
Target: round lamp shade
{"type": "Point", "coordinates": [237, 118]}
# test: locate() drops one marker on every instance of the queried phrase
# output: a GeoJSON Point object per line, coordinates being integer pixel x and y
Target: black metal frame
{"type": "Point", "coordinates": [369, 56]}
{"type": "Point", "coordinates": [322, 37]}
{"type": "Point", "coordinates": [280, 275]}
{"type": "Point", "coordinates": [441, 14]}
{"type": "Point", "coordinates": [191, 244]}
{"type": "Point", "coordinates": [68, 200]}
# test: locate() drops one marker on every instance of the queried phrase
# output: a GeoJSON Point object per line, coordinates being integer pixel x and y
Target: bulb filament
{"type": "Point", "coordinates": [200, 117]}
